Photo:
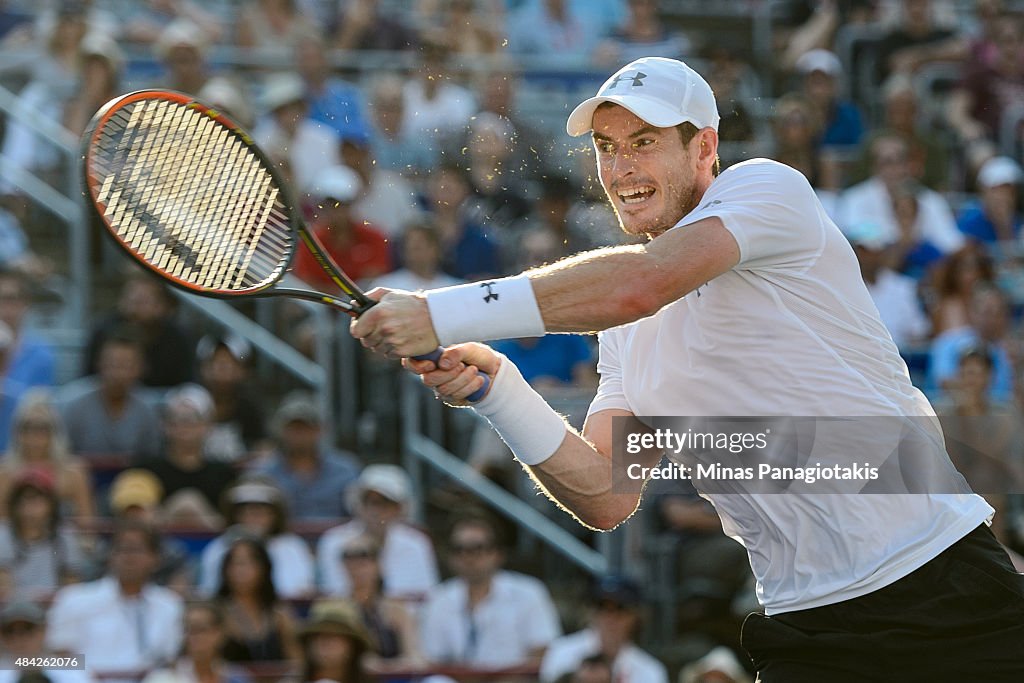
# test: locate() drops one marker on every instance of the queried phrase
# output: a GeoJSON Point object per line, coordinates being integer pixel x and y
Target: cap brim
{"type": "Point", "coordinates": [655, 113]}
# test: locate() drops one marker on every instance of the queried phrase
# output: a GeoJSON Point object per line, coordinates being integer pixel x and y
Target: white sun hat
{"type": "Point", "coordinates": [663, 92]}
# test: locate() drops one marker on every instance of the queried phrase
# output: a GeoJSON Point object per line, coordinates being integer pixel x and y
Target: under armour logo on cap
{"type": "Point", "coordinates": [637, 79]}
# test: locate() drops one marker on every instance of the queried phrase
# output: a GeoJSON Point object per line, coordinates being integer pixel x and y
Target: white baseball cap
{"type": "Point", "coordinates": [1000, 171]}
{"type": "Point", "coordinates": [820, 60]}
{"type": "Point", "coordinates": [339, 182]}
{"type": "Point", "coordinates": [663, 92]}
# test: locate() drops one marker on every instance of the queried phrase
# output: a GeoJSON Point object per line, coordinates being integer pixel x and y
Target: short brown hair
{"type": "Point", "coordinates": [687, 131]}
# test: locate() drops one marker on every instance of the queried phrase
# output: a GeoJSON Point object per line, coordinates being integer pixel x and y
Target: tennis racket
{"type": "Point", "coordinates": [187, 193]}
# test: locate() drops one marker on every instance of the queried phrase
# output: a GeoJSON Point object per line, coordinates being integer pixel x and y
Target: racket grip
{"type": "Point", "coordinates": [435, 356]}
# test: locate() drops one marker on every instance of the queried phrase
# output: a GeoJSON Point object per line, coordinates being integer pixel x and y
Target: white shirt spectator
{"type": "Point", "coordinates": [116, 633]}
{"type": "Point", "coordinates": [405, 279]}
{"type": "Point", "coordinates": [293, 572]}
{"type": "Point", "coordinates": [895, 297]}
{"type": "Point", "coordinates": [407, 560]}
{"type": "Point", "coordinates": [631, 665]}
{"type": "Point", "coordinates": [315, 148]}
{"type": "Point", "coordinates": [450, 109]}
{"type": "Point", "coordinates": [389, 202]}
{"type": "Point", "coordinates": [869, 202]}
{"type": "Point", "coordinates": [516, 618]}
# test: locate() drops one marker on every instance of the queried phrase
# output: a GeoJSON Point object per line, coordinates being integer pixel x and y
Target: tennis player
{"type": "Point", "coordinates": [746, 300]}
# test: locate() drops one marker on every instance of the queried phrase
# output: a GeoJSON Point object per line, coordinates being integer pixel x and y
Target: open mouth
{"type": "Point", "coordinates": [636, 195]}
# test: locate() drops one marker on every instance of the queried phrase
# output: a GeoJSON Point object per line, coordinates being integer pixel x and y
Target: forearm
{"type": "Point", "coordinates": [600, 289]}
{"type": "Point", "coordinates": [578, 478]}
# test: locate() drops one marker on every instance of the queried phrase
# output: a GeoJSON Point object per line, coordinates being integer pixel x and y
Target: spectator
{"type": "Point", "coordinates": [872, 201]}
{"type": "Point", "coordinates": [387, 200]}
{"type": "Point", "coordinates": [202, 657]}
{"type": "Point", "coordinates": [435, 109]}
{"type": "Point", "coordinates": [15, 25]}
{"type": "Point", "coordinates": [122, 623]}
{"type": "Point", "coordinates": [914, 41]}
{"type": "Point", "coordinates": [334, 645]}
{"type": "Point", "coordinates": [551, 215]}
{"type": "Point", "coordinates": [994, 217]}
{"type": "Point", "coordinates": [238, 428]}
{"type": "Point", "coordinates": [983, 436]}
{"type": "Point", "coordinates": [147, 305]}
{"type": "Point", "coordinates": [498, 89]}
{"type": "Point", "coordinates": [394, 147]}
{"type": "Point", "coordinates": [146, 20]}
{"type": "Point", "coordinates": [23, 635]}
{"type": "Point", "coordinates": [615, 604]}
{"type": "Point", "coordinates": [53, 83]}
{"type": "Point", "coordinates": [39, 443]}
{"type": "Point", "coordinates": [729, 78]}
{"type": "Point", "coordinates": [258, 626]}
{"type": "Point", "coordinates": [31, 360]}
{"type": "Point", "coordinates": [894, 294]}
{"type": "Point", "coordinates": [274, 26]}
{"type": "Point", "coordinates": [717, 666]}
{"type": "Point", "coordinates": [39, 552]}
{"type": "Point", "coordinates": [361, 25]}
{"type": "Point", "coordinates": [468, 27]}
{"type": "Point", "coordinates": [841, 120]}
{"type": "Point", "coordinates": [303, 148]}
{"type": "Point", "coordinates": [380, 500]}
{"type": "Point", "coordinates": [99, 83]}
{"type": "Point", "coordinates": [359, 248]}
{"type": "Point", "coordinates": [927, 155]}
{"type": "Point", "coordinates": [485, 616]}
{"type": "Point", "coordinates": [956, 279]}
{"type": "Point", "coordinates": [332, 102]}
{"type": "Point", "coordinates": [988, 90]}
{"type": "Point", "coordinates": [107, 414]}
{"type": "Point", "coordinates": [134, 497]}
{"type": "Point", "coordinates": [421, 259]}
{"type": "Point", "coordinates": [256, 508]}
{"type": "Point", "coordinates": [643, 34]}
{"type": "Point", "coordinates": [988, 318]}
{"type": "Point", "coordinates": [796, 129]}
{"type": "Point", "coordinates": [470, 252]}
{"type": "Point", "coordinates": [192, 483]}
{"type": "Point", "coordinates": [389, 621]}
{"type": "Point", "coordinates": [311, 475]}
{"type": "Point", "coordinates": [560, 29]}
{"type": "Point", "coordinates": [16, 255]}
{"type": "Point", "coordinates": [182, 47]}
{"type": "Point", "coordinates": [498, 197]}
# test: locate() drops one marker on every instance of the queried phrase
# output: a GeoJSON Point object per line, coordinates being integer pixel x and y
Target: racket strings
{"type": "Point", "coordinates": [189, 197]}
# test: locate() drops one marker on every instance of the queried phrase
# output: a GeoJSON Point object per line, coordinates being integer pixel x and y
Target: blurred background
{"type": "Point", "coordinates": [193, 489]}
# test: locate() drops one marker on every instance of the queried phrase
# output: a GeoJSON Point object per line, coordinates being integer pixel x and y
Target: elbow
{"type": "Point", "coordinates": [609, 517]}
{"type": "Point", "coordinates": [644, 296]}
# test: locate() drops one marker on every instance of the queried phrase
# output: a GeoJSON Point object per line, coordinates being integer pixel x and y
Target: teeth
{"type": "Point", "coordinates": [636, 194]}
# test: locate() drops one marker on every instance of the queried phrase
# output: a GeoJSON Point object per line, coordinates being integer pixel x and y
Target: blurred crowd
{"type": "Point", "coordinates": [175, 513]}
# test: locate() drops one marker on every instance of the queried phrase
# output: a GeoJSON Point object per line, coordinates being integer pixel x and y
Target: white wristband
{"type": "Point", "coordinates": [481, 311]}
{"type": "Point", "coordinates": [521, 417]}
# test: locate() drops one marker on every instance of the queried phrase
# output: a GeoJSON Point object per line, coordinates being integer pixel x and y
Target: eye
{"type": "Point", "coordinates": [605, 148]}
{"type": "Point", "coordinates": [643, 142]}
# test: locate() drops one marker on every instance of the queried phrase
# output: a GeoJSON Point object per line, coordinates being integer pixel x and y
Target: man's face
{"type": "Point", "coordinates": [648, 173]}
{"type": "Point", "coordinates": [120, 366]}
{"type": "Point", "coordinates": [23, 638]}
{"type": "Point", "coordinates": [131, 558]}
{"type": "Point", "coordinates": [474, 556]}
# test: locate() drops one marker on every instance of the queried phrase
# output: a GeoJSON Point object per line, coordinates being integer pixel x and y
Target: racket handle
{"type": "Point", "coordinates": [435, 356]}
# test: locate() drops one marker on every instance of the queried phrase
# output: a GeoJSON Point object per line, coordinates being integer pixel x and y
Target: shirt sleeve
{"type": "Point", "coordinates": [610, 392]}
{"type": "Point", "coordinates": [541, 625]}
{"type": "Point", "coordinates": [772, 212]}
{"type": "Point", "coordinates": [64, 625]}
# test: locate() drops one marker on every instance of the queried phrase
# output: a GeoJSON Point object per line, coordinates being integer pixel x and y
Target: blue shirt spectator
{"type": "Point", "coordinates": [844, 128]}
{"type": "Point", "coordinates": [993, 217]}
{"type": "Point", "coordinates": [822, 70]}
{"type": "Point", "coordinates": [975, 223]}
{"type": "Point", "coordinates": [333, 102]}
{"type": "Point", "coordinates": [558, 28]}
{"type": "Point", "coordinates": [312, 477]}
{"type": "Point", "coordinates": [945, 361]}
{"type": "Point", "coordinates": [551, 357]}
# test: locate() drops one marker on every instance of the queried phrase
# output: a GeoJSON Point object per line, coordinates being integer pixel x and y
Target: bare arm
{"type": "Point", "coordinates": [588, 292]}
{"type": "Point", "coordinates": [608, 287]}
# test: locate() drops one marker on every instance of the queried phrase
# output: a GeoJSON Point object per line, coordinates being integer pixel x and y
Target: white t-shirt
{"type": "Point", "coordinates": [517, 616]}
{"type": "Point", "coordinates": [407, 560]}
{"type": "Point", "coordinates": [790, 331]}
{"type": "Point", "coordinates": [631, 665]}
{"type": "Point", "coordinates": [895, 297]}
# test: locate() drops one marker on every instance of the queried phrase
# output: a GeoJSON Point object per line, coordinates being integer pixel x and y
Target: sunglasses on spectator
{"type": "Point", "coordinates": [358, 554]}
{"type": "Point", "coordinates": [471, 548]}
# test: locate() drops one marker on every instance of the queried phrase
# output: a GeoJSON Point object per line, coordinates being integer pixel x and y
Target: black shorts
{"type": "Point", "coordinates": [960, 617]}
